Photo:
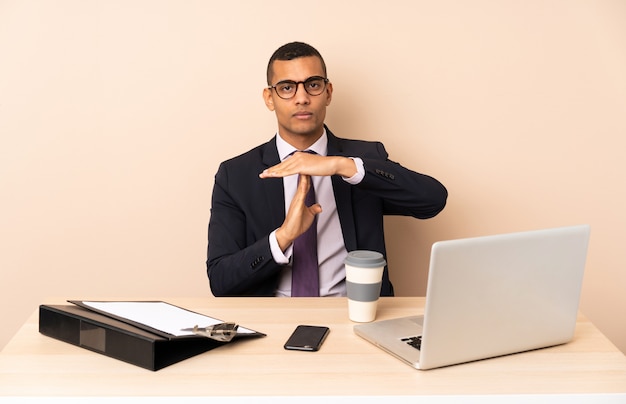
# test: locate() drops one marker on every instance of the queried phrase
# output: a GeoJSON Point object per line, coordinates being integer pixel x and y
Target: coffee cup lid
{"type": "Point", "coordinates": [365, 259]}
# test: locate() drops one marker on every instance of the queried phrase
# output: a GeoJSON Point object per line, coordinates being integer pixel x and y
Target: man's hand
{"type": "Point", "coordinates": [312, 164]}
{"type": "Point", "coordinates": [299, 217]}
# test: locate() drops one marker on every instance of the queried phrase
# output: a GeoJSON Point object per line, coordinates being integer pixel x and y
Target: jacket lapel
{"type": "Point", "coordinates": [273, 186]}
{"type": "Point", "coordinates": [343, 197]}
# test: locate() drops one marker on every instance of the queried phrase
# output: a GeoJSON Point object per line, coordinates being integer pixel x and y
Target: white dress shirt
{"type": "Point", "coordinates": [331, 250]}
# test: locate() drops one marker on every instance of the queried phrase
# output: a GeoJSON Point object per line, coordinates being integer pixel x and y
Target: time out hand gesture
{"type": "Point", "coordinates": [299, 217]}
{"type": "Point", "coordinates": [311, 164]}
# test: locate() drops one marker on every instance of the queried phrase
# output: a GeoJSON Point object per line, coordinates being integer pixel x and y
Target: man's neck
{"type": "Point", "coordinates": [320, 146]}
{"type": "Point", "coordinates": [301, 141]}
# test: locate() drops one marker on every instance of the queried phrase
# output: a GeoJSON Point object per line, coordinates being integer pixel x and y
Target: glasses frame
{"type": "Point", "coordinates": [296, 84]}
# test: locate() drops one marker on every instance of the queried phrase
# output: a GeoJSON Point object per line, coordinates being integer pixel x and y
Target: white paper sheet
{"type": "Point", "coordinates": [161, 316]}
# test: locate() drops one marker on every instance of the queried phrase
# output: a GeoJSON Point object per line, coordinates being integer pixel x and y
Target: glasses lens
{"type": "Point", "coordinates": [286, 89]}
{"type": "Point", "coordinates": [315, 85]}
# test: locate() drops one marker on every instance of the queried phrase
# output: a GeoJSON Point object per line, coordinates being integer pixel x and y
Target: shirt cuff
{"type": "Point", "coordinates": [360, 172]}
{"type": "Point", "coordinates": [279, 256]}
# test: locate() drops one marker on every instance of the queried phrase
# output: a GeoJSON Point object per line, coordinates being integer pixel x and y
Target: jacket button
{"type": "Point", "coordinates": [256, 262]}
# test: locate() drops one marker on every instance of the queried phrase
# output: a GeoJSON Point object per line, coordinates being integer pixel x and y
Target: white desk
{"type": "Point", "coordinates": [589, 368]}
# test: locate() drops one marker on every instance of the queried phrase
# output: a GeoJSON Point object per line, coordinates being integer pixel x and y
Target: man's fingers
{"type": "Point", "coordinates": [298, 163]}
{"type": "Point", "coordinates": [315, 208]}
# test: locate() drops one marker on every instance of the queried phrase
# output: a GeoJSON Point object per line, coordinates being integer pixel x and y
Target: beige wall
{"type": "Point", "coordinates": [114, 116]}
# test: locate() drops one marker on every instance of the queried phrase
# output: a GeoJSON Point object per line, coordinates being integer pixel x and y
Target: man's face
{"type": "Point", "coordinates": [300, 118]}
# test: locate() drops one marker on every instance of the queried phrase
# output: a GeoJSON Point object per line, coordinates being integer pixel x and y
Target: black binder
{"type": "Point", "coordinates": [117, 339]}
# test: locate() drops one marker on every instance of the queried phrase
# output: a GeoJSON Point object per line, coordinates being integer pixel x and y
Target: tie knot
{"type": "Point", "coordinates": [301, 151]}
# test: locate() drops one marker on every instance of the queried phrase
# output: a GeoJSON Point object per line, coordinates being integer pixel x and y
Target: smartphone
{"type": "Point", "coordinates": [307, 338]}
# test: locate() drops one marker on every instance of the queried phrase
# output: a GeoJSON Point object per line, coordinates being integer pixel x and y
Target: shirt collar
{"type": "Point", "coordinates": [285, 149]}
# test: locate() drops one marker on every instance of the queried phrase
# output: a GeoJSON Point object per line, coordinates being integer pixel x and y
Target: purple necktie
{"type": "Point", "coordinates": [304, 269]}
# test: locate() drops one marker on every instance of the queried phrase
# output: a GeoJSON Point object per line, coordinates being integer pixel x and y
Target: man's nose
{"type": "Point", "coordinates": [301, 96]}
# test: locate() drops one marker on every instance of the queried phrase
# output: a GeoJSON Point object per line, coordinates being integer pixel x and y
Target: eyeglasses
{"type": "Point", "coordinates": [286, 89]}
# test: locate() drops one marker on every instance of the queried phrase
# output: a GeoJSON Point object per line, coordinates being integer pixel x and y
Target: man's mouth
{"type": "Point", "coordinates": [302, 115]}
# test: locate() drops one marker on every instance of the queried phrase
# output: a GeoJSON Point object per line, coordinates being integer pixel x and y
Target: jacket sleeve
{"type": "Point", "coordinates": [239, 259]}
{"type": "Point", "coordinates": [403, 191]}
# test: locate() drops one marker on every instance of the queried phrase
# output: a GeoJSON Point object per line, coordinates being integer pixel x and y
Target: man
{"type": "Point", "coordinates": [258, 205]}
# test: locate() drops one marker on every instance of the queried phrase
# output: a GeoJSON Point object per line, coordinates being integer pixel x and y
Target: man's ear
{"type": "Point", "coordinates": [269, 100]}
{"type": "Point", "coordinates": [329, 93]}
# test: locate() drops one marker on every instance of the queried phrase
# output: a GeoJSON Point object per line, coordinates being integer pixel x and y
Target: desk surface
{"type": "Point", "coordinates": [36, 365]}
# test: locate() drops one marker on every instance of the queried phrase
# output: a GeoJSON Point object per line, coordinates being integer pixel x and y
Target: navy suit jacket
{"type": "Point", "coordinates": [246, 209]}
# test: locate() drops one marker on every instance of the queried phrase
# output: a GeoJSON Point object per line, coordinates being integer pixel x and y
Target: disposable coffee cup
{"type": "Point", "coordinates": [364, 275]}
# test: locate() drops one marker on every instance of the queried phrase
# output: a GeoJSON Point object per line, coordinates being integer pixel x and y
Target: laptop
{"type": "Point", "coordinates": [491, 296]}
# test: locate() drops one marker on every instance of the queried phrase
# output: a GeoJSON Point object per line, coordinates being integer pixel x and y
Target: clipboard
{"type": "Point", "coordinates": [123, 339]}
{"type": "Point", "coordinates": [149, 315]}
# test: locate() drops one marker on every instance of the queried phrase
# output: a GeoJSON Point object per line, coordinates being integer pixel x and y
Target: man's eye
{"type": "Point", "coordinates": [285, 88]}
{"type": "Point", "coordinates": [314, 84]}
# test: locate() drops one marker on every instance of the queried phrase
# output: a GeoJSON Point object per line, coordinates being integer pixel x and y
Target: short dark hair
{"type": "Point", "coordinates": [290, 51]}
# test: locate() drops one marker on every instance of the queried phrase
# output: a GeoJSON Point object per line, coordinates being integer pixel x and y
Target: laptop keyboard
{"type": "Point", "coordinates": [415, 342]}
